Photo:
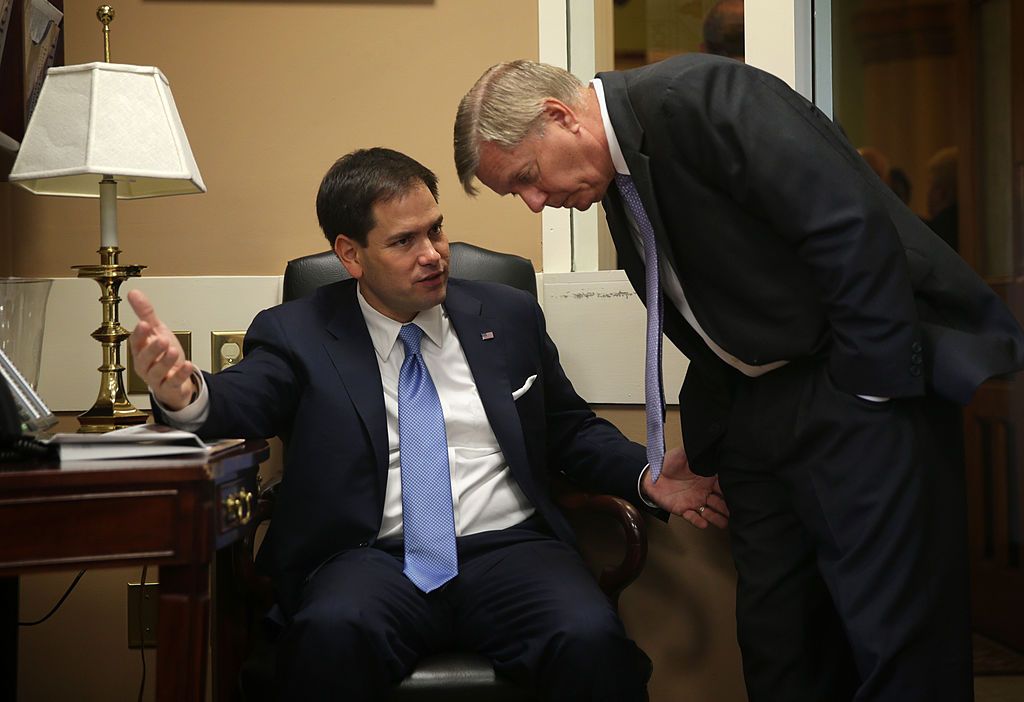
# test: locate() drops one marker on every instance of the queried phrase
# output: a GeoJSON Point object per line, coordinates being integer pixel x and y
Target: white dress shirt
{"type": "Point", "coordinates": [485, 496]}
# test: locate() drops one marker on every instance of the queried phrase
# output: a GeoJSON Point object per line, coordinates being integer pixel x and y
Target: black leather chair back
{"type": "Point", "coordinates": [304, 275]}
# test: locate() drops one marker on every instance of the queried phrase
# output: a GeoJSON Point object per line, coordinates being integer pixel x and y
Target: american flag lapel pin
{"type": "Point", "coordinates": [487, 335]}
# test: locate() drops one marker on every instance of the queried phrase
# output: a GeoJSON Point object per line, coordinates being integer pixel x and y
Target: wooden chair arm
{"type": "Point", "coordinates": [615, 578]}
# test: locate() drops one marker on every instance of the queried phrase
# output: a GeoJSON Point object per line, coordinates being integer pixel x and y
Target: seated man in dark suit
{"type": "Point", "coordinates": [423, 416]}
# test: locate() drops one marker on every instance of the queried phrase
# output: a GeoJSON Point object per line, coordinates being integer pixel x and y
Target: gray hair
{"type": "Point", "coordinates": [504, 106]}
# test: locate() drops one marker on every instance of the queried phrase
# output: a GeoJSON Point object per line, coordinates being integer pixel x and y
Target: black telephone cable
{"type": "Point", "coordinates": [59, 602]}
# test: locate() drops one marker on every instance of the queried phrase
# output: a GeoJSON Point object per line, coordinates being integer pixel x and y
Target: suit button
{"type": "Point", "coordinates": [916, 347]}
{"type": "Point", "coordinates": [916, 359]}
{"type": "Point", "coordinates": [915, 370]}
{"type": "Point", "coordinates": [715, 427]}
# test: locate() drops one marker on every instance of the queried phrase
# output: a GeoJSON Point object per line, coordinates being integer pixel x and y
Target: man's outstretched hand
{"type": "Point", "coordinates": [679, 490]}
{"type": "Point", "coordinates": [159, 359]}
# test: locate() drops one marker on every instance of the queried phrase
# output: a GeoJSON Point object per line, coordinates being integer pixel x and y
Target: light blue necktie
{"type": "Point", "coordinates": [654, 394]}
{"type": "Point", "coordinates": [428, 522]}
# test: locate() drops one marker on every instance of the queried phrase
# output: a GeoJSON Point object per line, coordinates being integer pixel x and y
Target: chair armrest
{"type": "Point", "coordinates": [615, 578]}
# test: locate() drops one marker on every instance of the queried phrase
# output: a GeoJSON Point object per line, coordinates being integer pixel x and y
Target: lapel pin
{"type": "Point", "coordinates": [487, 335]}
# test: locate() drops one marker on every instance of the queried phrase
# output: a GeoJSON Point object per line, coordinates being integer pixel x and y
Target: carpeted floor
{"type": "Point", "coordinates": [992, 658]}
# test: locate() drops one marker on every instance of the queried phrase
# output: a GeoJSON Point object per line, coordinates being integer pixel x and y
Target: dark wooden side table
{"type": "Point", "coordinates": [172, 513]}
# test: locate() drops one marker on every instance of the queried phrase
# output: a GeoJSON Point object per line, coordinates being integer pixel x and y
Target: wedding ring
{"type": "Point", "coordinates": [700, 510]}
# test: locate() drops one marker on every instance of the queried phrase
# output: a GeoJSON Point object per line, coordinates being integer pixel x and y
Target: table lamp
{"type": "Point", "coordinates": [110, 131]}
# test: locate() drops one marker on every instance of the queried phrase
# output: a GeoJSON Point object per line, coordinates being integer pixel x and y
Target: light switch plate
{"type": "Point", "coordinates": [225, 349]}
{"type": "Point", "coordinates": [135, 383]}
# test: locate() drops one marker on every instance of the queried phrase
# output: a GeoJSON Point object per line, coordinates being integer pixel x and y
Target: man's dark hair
{"type": "Point", "coordinates": [359, 180]}
{"type": "Point", "coordinates": [723, 29]}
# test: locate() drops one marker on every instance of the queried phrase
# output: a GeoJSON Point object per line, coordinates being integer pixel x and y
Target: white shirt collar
{"type": "Point", "coordinates": [384, 330]}
{"type": "Point", "coordinates": [618, 160]}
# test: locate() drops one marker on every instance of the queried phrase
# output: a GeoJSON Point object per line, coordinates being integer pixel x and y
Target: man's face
{"type": "Point", "coordinates": [558, 166]}
{"type": "Point", "coordinates": [403, 269]}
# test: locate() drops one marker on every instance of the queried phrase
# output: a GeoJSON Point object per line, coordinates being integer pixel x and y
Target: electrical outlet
{"type": "Point", "coordinates": [135, 383]}
{"type": "Point", "coordinates": [143, 612]}
{"type": "Point", "coordinates": [225, 349]}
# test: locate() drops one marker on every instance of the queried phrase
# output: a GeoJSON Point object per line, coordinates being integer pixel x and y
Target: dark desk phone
{"type": "Point", "coordinates": [21, 413]}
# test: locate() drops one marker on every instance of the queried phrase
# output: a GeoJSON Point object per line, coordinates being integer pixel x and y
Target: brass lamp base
{"type": "Point", "coordinates": [112, 408]}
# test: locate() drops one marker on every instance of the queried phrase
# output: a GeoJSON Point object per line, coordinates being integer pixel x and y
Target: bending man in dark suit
{"type": "Point", "coordinates": [323, 371]}
{"type": "Point", "coordinates": [829, 333]}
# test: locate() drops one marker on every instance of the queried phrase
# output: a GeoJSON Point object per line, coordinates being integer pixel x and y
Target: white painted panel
{"type": "Point", "coordinates": [583, 64]}
{"type": "Point", "coordinates": [598, 324]}
{"type": "Point", "coordinates": [595, 318]}
{"type": "Point", "coordinates": [556, 245]}
{"type": "Point", "coordinates": [68, 379]}
{"type": "Point", "coordinates": [553, 32]}
{"type": "Point", "coordinates": [553, 40]}
{"type": "Point", "coordinates": [769, 36]}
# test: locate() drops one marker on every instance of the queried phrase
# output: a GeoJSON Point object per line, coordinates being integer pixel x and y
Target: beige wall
{"type": "Point", "coordinates": [270, 94]}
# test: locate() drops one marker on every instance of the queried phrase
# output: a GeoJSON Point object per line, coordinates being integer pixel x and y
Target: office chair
{"type": "Point", "coordinates": [450, 676]}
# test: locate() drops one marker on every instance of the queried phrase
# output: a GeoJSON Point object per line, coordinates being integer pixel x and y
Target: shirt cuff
{"type": "Point", "coordinates": [640, 491]}
{"type": "Point", "coordinates": [193, 415]}
{"type": "Point", "coordinates": [874, 398]}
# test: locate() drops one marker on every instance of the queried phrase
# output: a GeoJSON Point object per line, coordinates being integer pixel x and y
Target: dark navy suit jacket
{"type": "Point", "coordinates": [789, 247]}
{"type": "Point", "coordinates": [310, 375]}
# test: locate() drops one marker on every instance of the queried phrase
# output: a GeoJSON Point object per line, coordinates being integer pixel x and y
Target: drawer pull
{"type": "Point", "coordinates": [239, 506]}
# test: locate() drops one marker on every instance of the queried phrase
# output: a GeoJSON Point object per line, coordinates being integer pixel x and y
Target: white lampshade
{"type": "Point", "coordinates": [106, 119]}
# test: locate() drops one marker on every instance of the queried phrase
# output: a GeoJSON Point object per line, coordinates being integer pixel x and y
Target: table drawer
{"type": "Point", "coordinates": [109, 527]}
{"type": "Point", "coordinates": [236, 504]}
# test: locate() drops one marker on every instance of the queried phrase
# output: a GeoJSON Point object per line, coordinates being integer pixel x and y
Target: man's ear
{"type": "Point", "coordinates": [559, 113]}
{"type": "Point", "coordinates": [348, 252]}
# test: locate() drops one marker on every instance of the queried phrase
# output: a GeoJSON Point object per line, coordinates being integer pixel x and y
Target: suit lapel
{"type": "Point", "coordinates": [353, 357]}
{"type": "Point", "coordinates": [486, 342]}
{"type": "Point", "coordinates": [630, 135]}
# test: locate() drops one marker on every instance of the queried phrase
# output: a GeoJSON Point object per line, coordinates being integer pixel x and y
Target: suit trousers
{"type": "Point", "coordinates": [848, 527]}
{"type": "Point", "coordinates": [522, 598]}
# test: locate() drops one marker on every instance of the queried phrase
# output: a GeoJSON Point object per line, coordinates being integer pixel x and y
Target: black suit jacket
{"type": "Point", "coordinates": [310, 374]}
{"type": "Point", "coordinates": [788, 246]}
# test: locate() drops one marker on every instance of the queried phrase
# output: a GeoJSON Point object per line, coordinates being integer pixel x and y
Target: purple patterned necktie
{"type": "Point", "coordinates": [428, 521]}
{"type": "Point", "coordinates": [654, 395]}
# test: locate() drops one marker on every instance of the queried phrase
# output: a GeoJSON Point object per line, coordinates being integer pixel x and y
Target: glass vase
{"type": "Point", "coordinates": [22, 317]}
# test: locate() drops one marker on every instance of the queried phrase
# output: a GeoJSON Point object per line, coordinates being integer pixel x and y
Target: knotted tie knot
{"type": "Point", "coordinates": [411, 336]}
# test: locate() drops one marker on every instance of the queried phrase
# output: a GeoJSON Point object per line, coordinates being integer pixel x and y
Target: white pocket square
{"type": "Point", "coordinates": [516, 394]}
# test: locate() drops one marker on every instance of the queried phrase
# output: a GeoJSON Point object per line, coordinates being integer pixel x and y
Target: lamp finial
{"type": "Point", "coordinates": [105, 14]}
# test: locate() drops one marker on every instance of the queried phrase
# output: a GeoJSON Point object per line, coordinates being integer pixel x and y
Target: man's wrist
{"type": "Point", "coordinates": [640, 488]}
{"type": "Point", "coordinates": [194, 414]}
